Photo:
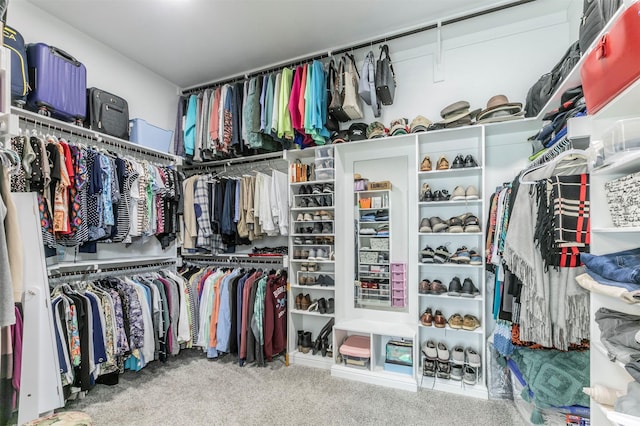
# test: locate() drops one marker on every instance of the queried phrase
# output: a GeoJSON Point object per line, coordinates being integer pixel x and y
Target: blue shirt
{"type": "Point", "coordinates": [190, 125]}
{"type": "Point", "coordinates": [223, 333]}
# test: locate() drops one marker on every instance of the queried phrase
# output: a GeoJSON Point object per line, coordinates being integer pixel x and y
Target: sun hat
{"type": "Point", "coordinates": [499, 103]}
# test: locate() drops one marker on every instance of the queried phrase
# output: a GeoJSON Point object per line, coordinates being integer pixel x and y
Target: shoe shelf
{"type": "Point", "coordinates": [448, 203]}
{"type": "Point", "coordinates": [372, 236]}
{"type": "Point", "coordinates": [446, 296]}
{"type": "Point", "coordinates": [312, 313]}
{"type": "Point", "coordinates": [468, 143]}
{"type": "Point", "coordinates": [458, 387]}
{"type": "Point", "coordinates": [314, 287]}
{"type": "Point", "coordinates": [448, 234]}
{"type": "Point", "coordinates": [450, 265]}
{"type": "Point", "coordinates": [303, 201]}
{"type": "Point", "coordinates": [449, 329]}
{"type": "Point", "coordinates": [465, 171]}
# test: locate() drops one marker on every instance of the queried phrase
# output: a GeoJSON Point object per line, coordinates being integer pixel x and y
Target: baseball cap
{"type": "Point", "coordinates": [399, 126]}
{"type": "Point", "coordinates": [357, 132]}
{"type": "Point", "coordinates": [340, 136]}
{"type": "Point", "coordinates": [376, 130]}
{"type": "Point", "coordinates": [420, 124]}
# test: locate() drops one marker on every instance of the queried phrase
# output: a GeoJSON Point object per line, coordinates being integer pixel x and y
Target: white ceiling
{"type": "Point", "coordinates": [189, 42]}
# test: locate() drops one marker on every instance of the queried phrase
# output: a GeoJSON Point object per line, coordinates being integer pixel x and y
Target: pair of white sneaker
{"type": "Point", "coordinates": [461, 194]}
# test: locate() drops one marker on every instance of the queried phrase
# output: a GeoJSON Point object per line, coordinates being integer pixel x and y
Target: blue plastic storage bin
{"type": "Point", "coordinates": [149, 135]}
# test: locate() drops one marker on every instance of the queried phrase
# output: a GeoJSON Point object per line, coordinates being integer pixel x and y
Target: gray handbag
{"type": "Point", "coordinates": [367, 83]}
{"type": "Point", "coordinates": [337, 92]}
{"type": "Point", "coordinates": [385, 77]}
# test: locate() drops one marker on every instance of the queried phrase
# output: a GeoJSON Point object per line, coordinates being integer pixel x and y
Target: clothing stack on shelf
{"type": "Point", "coordinates": [238, 311]}
{"type": "Point", "coordinates": [270, 113]}
{"type": "Point", "coordinates": [223, 212]}
{"type": "Point", "coordinates": [118, 323]}
{"type": "Point", "coordinates": [88, 195]}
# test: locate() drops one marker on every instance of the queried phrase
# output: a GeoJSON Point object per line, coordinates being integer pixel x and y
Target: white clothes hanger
{"type": "Point", "coordinates": [569, 155]}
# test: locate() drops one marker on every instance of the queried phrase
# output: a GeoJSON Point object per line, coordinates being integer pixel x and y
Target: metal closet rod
{"type": "Point", "coordinates": [214, 260]}
{"type": "Point", "coordinates": [351, 48]}
{"type": "Point", "coordinates": [210, 165]}
{"type": "Point", "coordinates": [72, 129]}
{"type": "Point", "coordinates": [121, 270]}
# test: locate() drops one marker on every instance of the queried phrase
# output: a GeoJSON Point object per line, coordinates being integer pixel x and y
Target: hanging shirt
{"type": "Point", "coordinates": [190, 125]}
{"type": "Point", "coordinates": [214, 118]}
{"type": "Point", "coordinates": [275, 117]}
{"type": "Point", "coordinates": [263, 105]}
{"type": "Point", "coordinates": [285, 128]}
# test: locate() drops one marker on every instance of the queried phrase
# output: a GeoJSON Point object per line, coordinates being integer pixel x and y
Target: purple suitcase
{"type": "Point", "coordinates": [58, 83]}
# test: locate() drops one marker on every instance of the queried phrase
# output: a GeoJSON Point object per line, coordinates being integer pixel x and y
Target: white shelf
{"type": "Point", "coordinates": [451, 265]}
{"type": "Point", "coordinates": [447, 329]}
{"type": "Point", "coordinates": [601, 349]}
{"type": "Point", "coordinates": [314, 287]}
{"type": "Point", "coordinates": [372, 236]}
{"type": "Point", "coordinates": [310, 360]}
{"type": "Point", "coordinates": [446, 296]}
{"type": "Point", "coordinates": [465, 171]}
{"type": "Point", "coordinates": [312, 235]}
{"type": "Point", "coordinates": [373, 210]}
{"type": "Point", "coordinates": [623, 166]}
{"type": "Point", "coordinates": [452, 386]}
{"type": "Point", "coordinates": [505, 128]}
{"type": "Point", "coordinates": [311, 313]}
{"type": "Point", "coordinates": [376, 377]}
{"type": "Point", "coordinates": [312, 221]}
{"type": "Point", "coordinates": [621, 418]}
{"type": "Point", "coordinates": [448, 234]}
{"type": "Point", "coordinates": [377, 327]}
{"type": "Point", "coordinates": [375, 222]}
{"type": "Point", "coordinates": [313, 182]}
{"type": "Point", "coordinates": [365, 250]}
{"type": "Point", "coordinates": [614, 229]}
{"type": "Point", "coordinates": [381, 264]}
{"type": "Point", "coordinates": [449, 203]}
{"type": "Point", "coordinates": [311, 209]}
{"type": "Point", "coordinates": [307, 261]}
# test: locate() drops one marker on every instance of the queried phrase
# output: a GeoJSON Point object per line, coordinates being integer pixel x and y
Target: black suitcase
{"type": "Point", "coordinates": [19, 69]}
{"type": "Point", "coordinates": [107, 113]}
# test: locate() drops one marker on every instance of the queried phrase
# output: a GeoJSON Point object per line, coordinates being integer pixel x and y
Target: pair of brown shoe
{"type": "Point", "coordinates": [303, 302]}
{"type": "Point", "coordinates": [428, 319]}
{"type": "Point", "coordinates": [468, 322]}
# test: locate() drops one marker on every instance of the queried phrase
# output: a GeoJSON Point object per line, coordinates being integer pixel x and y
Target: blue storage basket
{"type": "Point", "coordinates": [149, 135]}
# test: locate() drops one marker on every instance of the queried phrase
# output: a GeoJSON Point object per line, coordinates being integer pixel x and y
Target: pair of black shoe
{"type": "Point", "coordinates": [321, 344]}
{"type": "Point", "coordinates": [316, 201]}
{"type": "Point", "coordinates": [468, 161]}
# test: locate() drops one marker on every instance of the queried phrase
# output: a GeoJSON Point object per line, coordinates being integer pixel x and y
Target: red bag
{"type": "Point", "coordinates": [613, 65]}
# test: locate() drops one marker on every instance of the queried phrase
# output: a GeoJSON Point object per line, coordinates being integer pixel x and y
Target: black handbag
{"type": "Point", "coordinates": [385, 77]}
{"type": "Point", "coordinates": [540, 93]}
{"type": "Point", "coordinates": [331, 123]}
{"type": "Point", "coordinates": [337, 92]}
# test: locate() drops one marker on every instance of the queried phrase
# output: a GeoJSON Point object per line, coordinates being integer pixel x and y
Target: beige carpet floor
{"type": "Point", "coordinates": [191, 390]}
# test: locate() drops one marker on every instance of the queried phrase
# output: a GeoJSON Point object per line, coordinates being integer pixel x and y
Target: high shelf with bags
{"type": "Point", "coordinates": [451, 280]}
{"type": "Point", "coordinates": [311, 256]}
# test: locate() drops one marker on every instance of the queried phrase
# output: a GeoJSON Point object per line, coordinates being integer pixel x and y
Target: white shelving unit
{"type": "Point", "coordinates": [373, 286]}
{"type": "Point", "coordinates": [462, 142]}
{"type": "Point", "coordinates": [606, 238]}
{"type": "Point", "coordinates": [303, 239]}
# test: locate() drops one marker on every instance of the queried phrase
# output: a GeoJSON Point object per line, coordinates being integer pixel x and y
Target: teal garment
{"type": "Point", "coordinates": [190, 125]}
{"type": "Point", "coordinates": [556, 378]}
{"type": "Point", "coordinates": [268, 104]}
{"type": "Point", "coordinates": [318, 108]}
{"type": "Point", "coordinates": [308, 99]}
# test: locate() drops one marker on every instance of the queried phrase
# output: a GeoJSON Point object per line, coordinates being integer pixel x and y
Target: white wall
{"type": "Point", "coordinates": [502, 53]}
{"type": "Point", "coordinates": [149, 96]}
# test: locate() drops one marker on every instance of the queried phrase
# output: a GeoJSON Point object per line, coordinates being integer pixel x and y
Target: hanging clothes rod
{"type": "Point", "coordinates": [233, 161]}
{"type": "Point", "coordinates": [113, 271]}
{"type": "Point", "coordinates": [213, 260]}
{"type": "Point", "coordinates": [44, 122]}
{"type": "Point", "coordinates": [342, 50]}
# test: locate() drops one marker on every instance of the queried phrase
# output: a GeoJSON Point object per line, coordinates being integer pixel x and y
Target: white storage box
{"type": "Point", "coordinates": [324, 162]}
{"type": "Point", "coordinates": [624, 135]}
{"type": "Point", "coordinates": [379, 243]}
{"type": "Point", "coordinates": [324, 174]}
{"type": "Point", "coordinates": [149, 135]}
{"type": "Point", "coordinates": [324, 151]}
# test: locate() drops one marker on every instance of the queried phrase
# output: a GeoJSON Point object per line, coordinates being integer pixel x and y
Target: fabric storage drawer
{"type": "Point", "coordinates": [397, 276]}
{"type": "Point", "coordinates": [149, 135]}
{"type": "Point", "coordinates": [379, 243]}
{"type": "Point", "coordinates": [398, 267]}
{"type": "Point", "coordinates": [356, 351]}
{"type": "Point", "coordinates": [369, 257]}
{"type": "Point", "coordinates": [623, 198]}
